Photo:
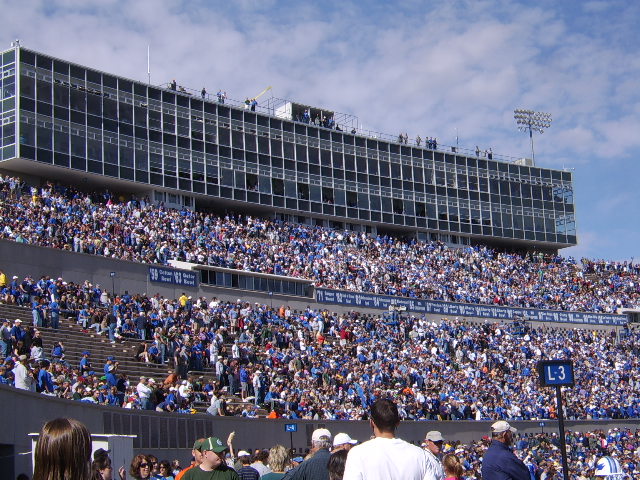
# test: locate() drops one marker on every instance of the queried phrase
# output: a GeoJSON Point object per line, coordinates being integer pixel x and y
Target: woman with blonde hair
{"type": "Point", "coordinates": [63, 451]}
{"type": "Point", "coordinates": [279, 460]}
{"type": "Point", "coordinates": [452, 466]}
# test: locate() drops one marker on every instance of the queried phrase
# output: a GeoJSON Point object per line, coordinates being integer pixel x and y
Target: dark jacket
{"type": "Point", "coordinates": [499, 463]}
{"type": "Point", "coordinates": [313, 469]}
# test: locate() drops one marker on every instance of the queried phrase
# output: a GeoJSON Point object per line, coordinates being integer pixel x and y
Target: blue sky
{"type": "Point", "coordinates": [422, 67]}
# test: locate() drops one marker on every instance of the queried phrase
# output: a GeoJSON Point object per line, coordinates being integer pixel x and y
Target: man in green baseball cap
{"type": "Point", "coordinates": [212, 466]}
{"type": "Point", "coordinates": [197, 458]}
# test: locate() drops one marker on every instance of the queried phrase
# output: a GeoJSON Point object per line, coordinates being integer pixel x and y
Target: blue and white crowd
{"type": "Point", "coordinates": [316, 364]}
{"type": "Point", "coordinates": [61, 217]}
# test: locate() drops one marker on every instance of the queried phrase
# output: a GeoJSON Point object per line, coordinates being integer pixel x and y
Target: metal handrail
{"type": "Point", "coordinates": [270, 111]}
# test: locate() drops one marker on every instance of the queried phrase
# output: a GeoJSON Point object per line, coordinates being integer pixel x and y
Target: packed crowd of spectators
{"type": "Point", "coordinates": [61, 217]}
{"type": "Point", "coordinates": [312, 364]}
{"type": "Point", "coordinates": [541, 453]}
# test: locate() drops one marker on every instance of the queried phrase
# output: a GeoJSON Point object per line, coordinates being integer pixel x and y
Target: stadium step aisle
{"type": "Point", "coordinates": [76, 341]}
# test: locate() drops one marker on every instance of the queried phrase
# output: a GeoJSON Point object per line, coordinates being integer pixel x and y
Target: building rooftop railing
{"type": "Point", "coordinates": [346, 128]}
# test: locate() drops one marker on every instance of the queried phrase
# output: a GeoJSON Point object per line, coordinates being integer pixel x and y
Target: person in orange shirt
{"type": "Point", "coordinates": [196, 451]}
{"type": "Point", "coordinates": [273, 414]}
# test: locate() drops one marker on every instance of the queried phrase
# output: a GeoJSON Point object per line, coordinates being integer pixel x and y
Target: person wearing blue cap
{"type": "Point", "coordinates": [110, 369]}
{"type": "Point", "coordinates": [85, 363]}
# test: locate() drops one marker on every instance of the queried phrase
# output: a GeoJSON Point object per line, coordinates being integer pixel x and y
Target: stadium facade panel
{"type": "Point", "coordinates": [62, 118]}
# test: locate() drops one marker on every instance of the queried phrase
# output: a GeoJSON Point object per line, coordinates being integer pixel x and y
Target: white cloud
{"type": "Point", "coordinates": [422, 67]}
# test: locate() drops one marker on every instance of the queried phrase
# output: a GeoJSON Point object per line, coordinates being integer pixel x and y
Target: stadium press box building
{"type": "Point", "coordinates": [71, 123]}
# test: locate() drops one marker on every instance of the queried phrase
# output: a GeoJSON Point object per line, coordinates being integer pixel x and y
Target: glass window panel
{"type": "Point", "coordinates": [61, 142]}
{"type": "Point", "coordinates": [352, 199]}
{"type": "Point", "coordinates": [315, 193]}
{"type": "Point", "coordinates": [265, 184]}
{"type": "Point", "coordinates": [110, 108]}
{"type": "Point", "coordinates": [78, 100]}
{"type": "Point", "coordinates": [227, 177]}
{"type": "Point", "coordinates": [277, 186]}
{"type": "Point", "coordinates": [126, 157]}
{"type": "Point", "coordinates": [61, 95]}
{"type": "Point", "coordinates": [125, 113]}
{"type": "Point", "coordinates": [94, 104]}
{"type": "Point", "coordinates": [363, 200]}
{"type": "Point", "coordinates": [290, 189]}
{"type": "Point", "coordinates": [44, 91]}
{"type": "Point", "coordinates": [94, 149]}
{"type": "Point", "coordinates": [27, 86]}
{"type": "Point", "coordinates": [78, 146]}
{"type": "Point", "coordinates": [110, 153]}
{"type": "Point", "coordinates": [27, 134]}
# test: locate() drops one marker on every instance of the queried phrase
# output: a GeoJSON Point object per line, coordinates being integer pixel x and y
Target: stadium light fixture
{"type": "Point", "coordinates": [528, 120]}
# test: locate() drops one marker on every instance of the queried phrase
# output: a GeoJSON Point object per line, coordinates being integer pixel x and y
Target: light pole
{"type": "Point", "coordinates": [528, 120]}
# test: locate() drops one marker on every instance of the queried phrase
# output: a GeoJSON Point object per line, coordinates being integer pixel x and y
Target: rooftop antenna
{"type": "Point", "coordinates": [149, 64]}
{"type": "Point", "coordinates": [16, 43]}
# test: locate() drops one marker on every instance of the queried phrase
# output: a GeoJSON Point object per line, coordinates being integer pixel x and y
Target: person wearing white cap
{"type": "Point", "coordinates": [144, 393]}
{"type": "Point", "coordinates": [342, 441]}
{"type": "Point", "coordinates": [23, 377]}
{"type": "Point", "coordinates": [315, 467]}
{"type": "Point", "coordinates": [433, 446]}
{"type": "Point", "coordinates": [246, 472]}
{"type": "Point", "coordinates": [499, 462]}
{"type": "Point", "coordinates": [385, 457]}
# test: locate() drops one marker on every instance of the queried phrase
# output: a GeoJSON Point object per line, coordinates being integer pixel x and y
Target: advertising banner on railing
{"type": "Point", "coordinates": [185, 278]}
{"type": "Point", "coordinates": [464, 309]}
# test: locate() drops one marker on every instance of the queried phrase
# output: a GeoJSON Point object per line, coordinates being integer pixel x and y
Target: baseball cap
{"type": "Point", "coordinates": [214, 444]}
{"type": "Point", "coordinates": [298, 459]}
{"type": "Point", "coordinates": [342, 438]}
{"type": "Point", "coordinates": [502, 426]}
{"type": "Point", "coordinates": [243, 453]}
{"type": "Point", "coordinates": [434, 436]}
{"type": "Point", "coordinates": [320, 432]}
{"type": "Point", "coordinates": [197, 445]}
{"type": "Point", "coordinates": [101, 452]}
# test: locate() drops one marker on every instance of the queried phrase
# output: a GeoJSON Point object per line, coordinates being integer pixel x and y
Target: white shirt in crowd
{"type": "Point", "coordinates": [21, 377]}
{"type": "Point", "coordinates": [143, 391]}
{"type": "Point", "coordinates": [386, 458]}
{"type": "Point", "coordinates": [434, 467]}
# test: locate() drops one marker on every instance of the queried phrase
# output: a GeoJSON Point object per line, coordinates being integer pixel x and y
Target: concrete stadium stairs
{"type": "Point", "coordinates": [76, 341]}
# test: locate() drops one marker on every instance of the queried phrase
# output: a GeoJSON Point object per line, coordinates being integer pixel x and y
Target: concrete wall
{"type": "Point", "coordinates": [22, 259]}
{"type": "Point", "coordinates": [170, 436]}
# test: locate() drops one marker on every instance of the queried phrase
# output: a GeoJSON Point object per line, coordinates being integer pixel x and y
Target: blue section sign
{"type": "Point", "coordinates": [185, 278]}
{"type": "Point", "coordinates": [556, 373]}
{"type": "Point", "coordinates": [291, 427]}
{"type": "Point", "coordinates": [438, 307]}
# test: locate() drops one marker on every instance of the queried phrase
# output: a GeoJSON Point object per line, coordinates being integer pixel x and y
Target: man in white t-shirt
{"type": "Point", "coordinates": [144, 393]}
{"type": "Point", "coordinates": [385, 457]}
{"type": "Point", "coordinates": [433, 445]}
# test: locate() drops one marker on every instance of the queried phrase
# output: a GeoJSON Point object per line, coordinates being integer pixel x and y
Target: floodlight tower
{"type": "Point", "coordinates": [533, 122]}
